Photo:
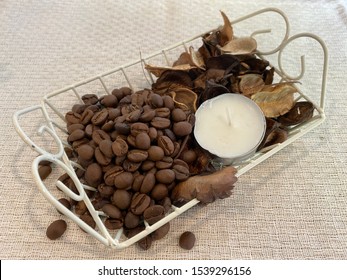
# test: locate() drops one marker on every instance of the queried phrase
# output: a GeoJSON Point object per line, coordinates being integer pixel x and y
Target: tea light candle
{"type": "Point", "coordinates": [230, 126]}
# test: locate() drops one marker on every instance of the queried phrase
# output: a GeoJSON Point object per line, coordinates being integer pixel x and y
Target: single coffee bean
{"type": "Point", "coordinates": [100, 117]}
{"type": "Point", "coordinates": [133, 116]}
{"type": "Point", "coordinates": [187, 240]}
{"type": "Point", "coordinates": [181, 172]}
{"type": "Point", "coordinates": [90, 99]}
{"type": "Point", "coordinates": [108, 126]}
{"type": "Point", "coordinates": [120, 147]}
{"type": "Point", "coordinates": [76, 135]}
{"type": "Point", "coordinates": [147, 183]}
{"type": "Point", "coordinates": [131, 220]}
{"type": "Point", "coordinates": [182, 128]}
{"type": "Point", "coordinates": [79, 108]}
{"type": "Point", "coordinates": [56, 229]}
{"type": "Point", "coordinates": [99, 135]}
{"type": "Point", "coordinates": [189, 156]}
{"type": "Point", "coordinates": [155, 153]}
{"type": "Point", "coordinates": [147, 165]}
{"type": "Point", "coordinates": [160, 123]}
{"type": "Point", "coordinates": [137, 99]}
{"type": "Point", "coordinates": [122, 127]}
{"type": "Point", "coordinates": [94, 108]}
{"type": "Point", "coordinates": [153, 214]}
{"type": "Point", "coordinates": [156, 100]}
{"type": "Point", "coordinates": [166, 144]}
{"type": "Point", "coordinates": [140, 202]}
{"type": "Point", "coordinates": [72, 127]}
{"type": "Point", "coordinates": [168, 102]}
{"type": "Point", "coordinates": [88, 220]}
{"type": "Point", "coordinates": [160, 232]}
{"type": "Point", "coordinates": [69, 152]}
{"type": "Point", "coordinates": [145, 243]}
{"type": "Point", "coordinates": [126, 91]}
{"type": "Point", "coordinates": [72, 117]}
{"type": "Point", "coordinates": [121, 199]}
{"type": "Point", "coordinates": [125, 100]}
{"type": "Point", "coordinates": [93, 175]}
{"type": "Point", "coordinates": [65, 202]}
{"type": "Point", "coordinates": [109, 100]}
{"type": "Point", "coordinates": [160, 191]}
{"type": "Point", "coordinates": [80, 208]}
{"type": "Point", "coordinates": [178, 115]}
{"type": "Point", "coordinates": [147, 116]}
{"type": "Point", "coordinates": [117, 93]}
{"type": "Point", "coordinates": [113, 113]}
{"type": "Point", "coordinates": [113, 224]}
{"type": "Point", "coordinates": [142, 141]}
{"type": "Point", "coordinates": [124, 180]}
{"type": "Point", "coordinates": [169, 133]}
{"type": "Point", "coordinates": [137, 182]}
{"type": "Point", "coordinates": [111, 174]}
{"type": "Point", "coordinates": [162, 112]}
{"type": "Point", "coordinates": [44, 171]}
{"type": "Point", "coordinates": [138, 127]}
{"type": "Point", "coordinates": [131, 166]}
{"type": "Point", "coordinates": [152, 133]}
{"type": "Point", "coordinates": [165, 176]}
{"type": "Point", "coordinates": [85, 152]}
{"type": "Point", "coordinates": [105, 191]}
{"type": "Point", "coordinates": [112, 211]}
{"type": "Point", "coordinates": [101, 158]}
{"type": "Point", "coordinates": [136, 155]}
{"type": "Point", "coordinates": [86, 117]}
{"type": "Point", "coordinates": [165, 163]}
{"type": "Point", "coordinates": [106, 148]}
{"type": "Point", "coordinates": [166, 203]}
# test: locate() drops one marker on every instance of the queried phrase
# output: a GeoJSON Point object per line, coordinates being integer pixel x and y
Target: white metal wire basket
{"type": "Point", "coordinates": [54, 105]}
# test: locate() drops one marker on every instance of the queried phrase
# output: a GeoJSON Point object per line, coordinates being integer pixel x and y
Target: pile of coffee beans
{"type": "Point", "coordinates": [132, 147]}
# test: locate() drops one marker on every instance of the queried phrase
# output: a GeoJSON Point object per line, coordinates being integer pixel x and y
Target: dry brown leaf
{"type": "Point", "coordinates": [251, 84]}
{"type": "Point", "coordinates": [240, 46]}
{"type": "Point", "coordinates": [275, 100]}
{"type": "Point", "coordinates": [158, 70]}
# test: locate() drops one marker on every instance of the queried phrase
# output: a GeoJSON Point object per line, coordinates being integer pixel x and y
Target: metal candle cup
{"type": "Point", "coordinates": [230, 126]}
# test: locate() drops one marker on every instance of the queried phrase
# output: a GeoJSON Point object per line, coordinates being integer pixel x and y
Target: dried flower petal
{"type": "Point", "coordinates": [226, 33]}
{"type": "Point", "coordinates": [301, 112]}
{"type": "Point", "coordinates": [171, 79]}
{"type": "Point", "coordinates": [275, 100]}
{"type": "Point", "coordinates": [250, 84]}
{"type": "Point", "coordinates": [159, 70]}
{"type": "Point", "coordinates": [244, 45]}
{"type": "Point", "coordinates": [185, 99]}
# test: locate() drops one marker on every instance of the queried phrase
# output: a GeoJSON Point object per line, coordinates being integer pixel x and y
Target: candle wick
{"type": "Point", "coordinates": [228, 116]}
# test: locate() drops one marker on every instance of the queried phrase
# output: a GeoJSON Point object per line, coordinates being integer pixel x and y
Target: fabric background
{"type": "Point", "coordinates": [292, 206]}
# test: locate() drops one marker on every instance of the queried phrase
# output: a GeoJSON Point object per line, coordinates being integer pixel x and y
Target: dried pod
{"type": "Point", "coordinates": [221, 35]}
{"type": "Point", "coordinates": [271, 125]}
{"type": "Point", "coordinates": [185, 99]}
{"type": "Point", "coordinates": [224, 61]}
{"type": "Point", "coordinates": [301, 112]}
{"type": "Point", "coordinates": [275, 100]}
{"type": "Point", "coordinates": [172, 79]}
{"type": "Point", "coordinates": [193, 58]}
{"type": "Point", "coordinates": [277, 136]}
{"type": "Point", "coordinates": [250, 84]}
{"type": "Point", "coordinates": [212, 89]}
{"type": "Point", "coordinates": [159, 70]}
{"type": "Point", "coordinates": [243, 45]}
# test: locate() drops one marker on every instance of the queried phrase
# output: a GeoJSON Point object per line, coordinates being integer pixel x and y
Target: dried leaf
{"type": "Point", "coordinates": [226, 33]}
{"type": "Point", "coordinates": [212, 90]}
{"type": "Point", "coordinates": [301, 112]}
{"type": "Point", "coordinates": [185, 99]}
{"type": "Point", "coordinates": [276, 136]}
{"type": "Point", "coordinates": [171, 79]}
{"type": "Point", "coordinates": [224, 61]}
{"type": "Point", "coordinates": [244, 45]}
{"type": "Point", "coordinates": [275, 100]}
{"type": "Point", "coordinates": [211, 74]}
{"type": "Point", "coordinates": [159, 70]}
{"type": "Point", "coordinates": [250, 84]}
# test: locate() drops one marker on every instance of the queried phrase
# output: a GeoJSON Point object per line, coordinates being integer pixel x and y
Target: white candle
{"type": "Point", "coordinates": [230, 126]}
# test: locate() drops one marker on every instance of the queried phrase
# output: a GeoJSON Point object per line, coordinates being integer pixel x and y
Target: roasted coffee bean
{"type": "Point", "coordinates": [79, 108]}
{"type": "Point", "coordinates": [56, 229]}
{"type": "Point", "coordinates": [142, 141]}
{"type": "Point", "coordinates": [145, 243]}
{"type": "Point", "coordinates": [168, 102]}
{"type": "Point", "coordinates": [93, 175]}
{"type": "Point", "coordinates": [113, 223]}
{"type": "Point", "coordinates": [160, 232]}
{"type": "Point", "coordinates": [80, 208]}
{"type": "Point", "coordinates": [137, 99]}
{"type": "Point", "coordinates": [147, 116]}
{"type": "Point", "coordinates": [86, 117]}
{"type": "Point", "coordinates": [131, 220]}
{"type": "Point", "coordinates": [159, 192]}
{"type": "Point", "coordinates": [72, 117]}
{"type": "Point", "coordinates": [121, 199]}
{"type": "Point", "coordinates": [105, 191]}
{"type": "Point", "coordinates": [113, 113]}
{"type": "Point", "coordinates": [169, 133]}
{"type": "Point", "coordinates": [160, 123]}
{"type": "Point", "coordinates": [137, 182]}
{"type": "Point", "coordinates": [79, 143]}
{"type": "Point", "coordinates": [182, 128]}
{"type": "Point", "coordinates": [131, 166]}
{"type": "Point", "coordinates": [90, 99]}
{"type": "Point", "coordinates": [120, 147]}
{"type": "Point", "coordinates": [156, 100]}
{"type": "Point", "coordinates": [69, 152]}
{"type": "Point", "coordinates": [177, 149]}
{"type": "Point", "coordinates": [99, 202]}
{"type": "Point", "coordinates": [84, 163]}
{"type": "Point", "coordinates": [108, 126]}
{"type": "Point", "coordinates": [165, 176]}
{"type": "Point", "coordinates": [152, 133]}
{"type": "Point", "coordinates": [121, 127]}
{"type": "Point", "coordinates": [99, 135]}
{"type": "Point", "coordinates": [109, 100]}
{"type": "Point", "coordinates": [166, 144]}
{"type": "Point", "coordinates": [85, 152]}
{"type": "Point", "coordinates": [44, 171]}
{"type": "Point", "coordinates": [147, 165]}
{"type": "Point", "coordinates": [123, 180]}
{"type": "Point", "coordinates": [189, 156]}
{"type": "Point", "coordinates": [77, 134]}
{"type": "Point", "coordinates": [166, 203]}
{"type": "Point", "coordinates": [118, 93]}
{"type": "Point", "coordinates": [139, 203]}
{"type": "Point", "coordinates": [147, 183]}
{"type": "Point", "coordinates": [65, 202]}
{"type": "Point", "coordinates": [131, 140]}
{"type": "Point", "coordinates": [101, 158]}
{"type": "Point", "coordinates": [181, 171]}
{"type": "Point", "coordinates": [89, 130]}
{"type": "Point", "coordinates": [125, 100]}
{"type": "Point", "coordinates": [178, 115]}
{"type": "Point", "coordinates": [126, 91]}
{"type": "Point", "coordinates": [106, 148]}
{"type": "Point", "coordinates": [153, 214]}
{"type": "Point", "coordinates": [94, 108]}
{"type": "Point", "coordinates": [155, 153]}
{"type": "Point", "coordinates": [133, 116]}
{"type": "Point", "coordinates": [88, 220]}
{"type": "Point", "coordinates": [112, 211]}
{"type": "Point", "coordinates": [137, 155]}
{"type": "Point", "coordinates": [100, 117]}
{"type": "Point", "coordinates": [187, 240]}
{"type": "Point", "coordinates": [72, 127]}
{"type": "Point", "coordinates": [162, 112]}
{"type": "Point", "coordinates": [138, 127]}
{"type": "Point", "coordinates": [166, 162]}
{"type": "Point", "coordinates": [111, 174]}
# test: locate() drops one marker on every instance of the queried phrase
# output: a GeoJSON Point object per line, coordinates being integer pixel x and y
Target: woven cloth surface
{"type": "Point", "coordinates": [291, 206]}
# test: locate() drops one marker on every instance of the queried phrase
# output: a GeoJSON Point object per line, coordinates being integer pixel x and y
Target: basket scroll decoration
{"type": "Point", "coordinates": [55, 128]}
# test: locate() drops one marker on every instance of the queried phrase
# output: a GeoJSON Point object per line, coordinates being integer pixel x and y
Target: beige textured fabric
{"type": "Point", "coordinates": [292, 206]}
